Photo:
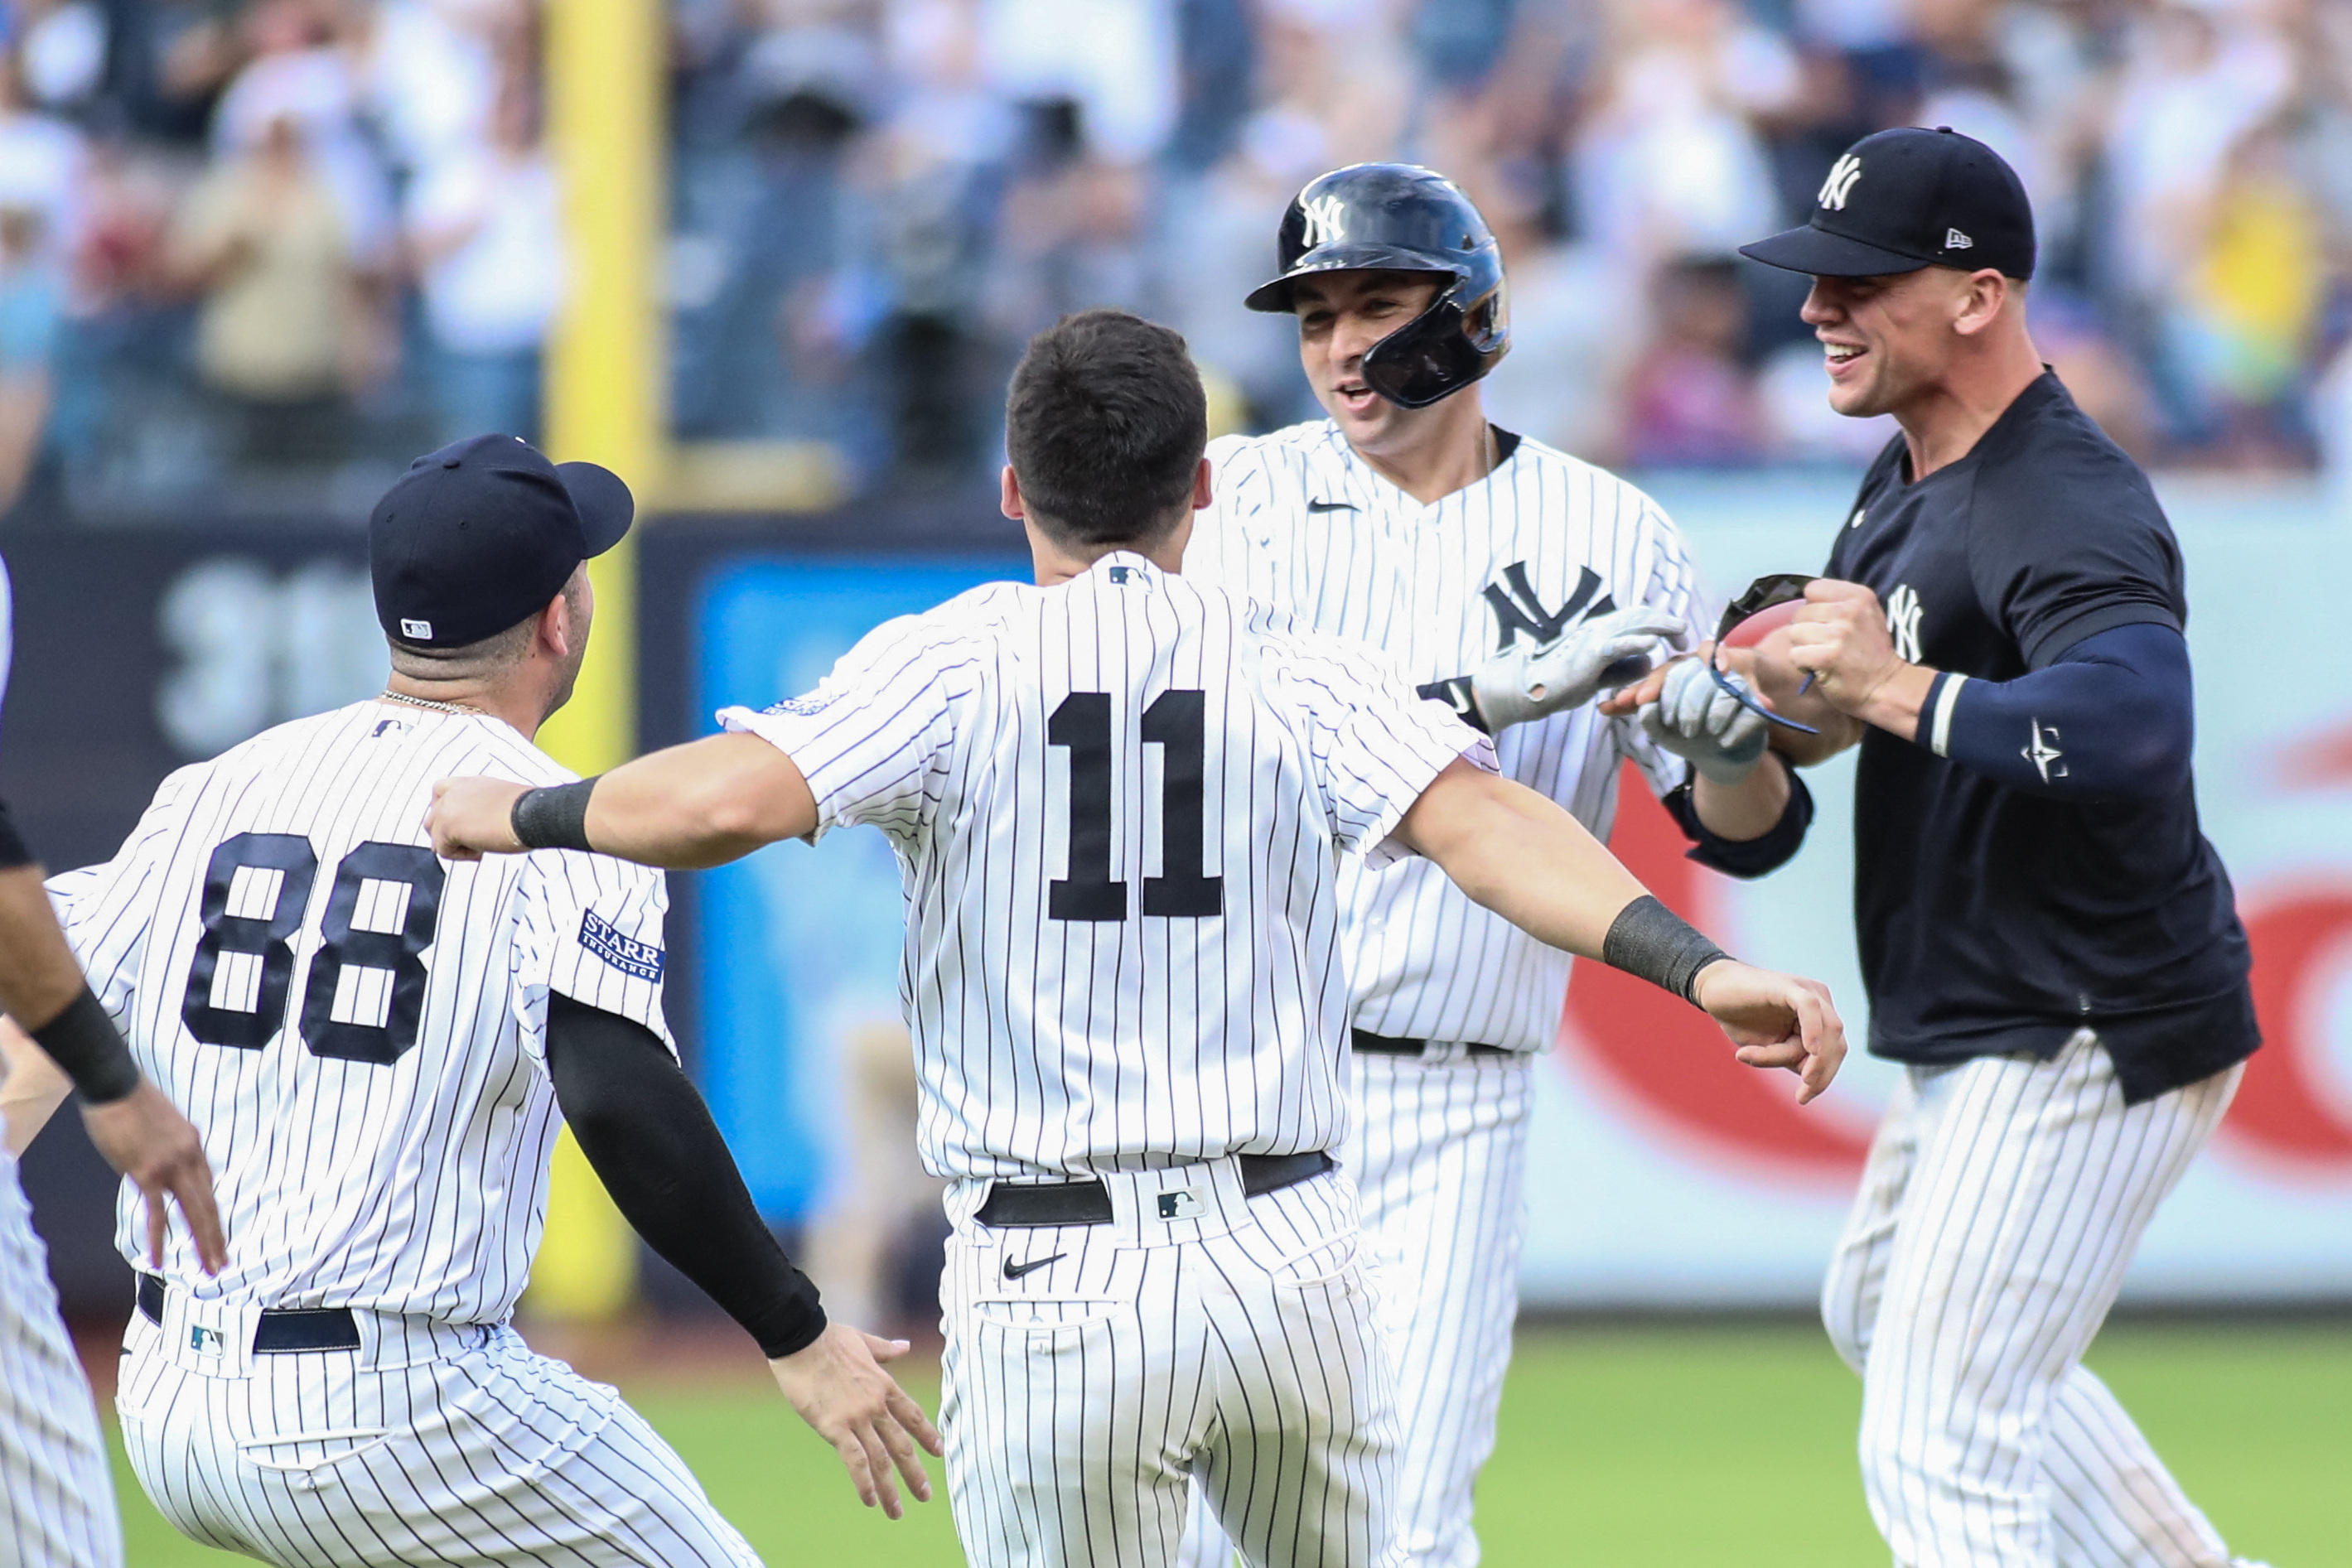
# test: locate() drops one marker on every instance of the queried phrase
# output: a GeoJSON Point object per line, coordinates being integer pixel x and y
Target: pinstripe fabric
{"type": "Point", "coordinates": [1235, 1347]}
{"type": "Point", "coordinates": [417, 1186]}
{"type": "Point", "coordinates": [483, 1454]}
{"type": "Point", "coordinates": [1440, 1152]}
{"type": "Point", "coordinates": [1047, 1046]}
{"type": "Point", "coordinates": [381, 1145]}
{"type": "Point", "coordinates": [1083, 1398]}
{"type": "Point", "coordinates": [1998, 1209]}
{"type": "Point", "coordinates": [56, 1499]}
{"type": "Point", "coordinates": [1303, 524]}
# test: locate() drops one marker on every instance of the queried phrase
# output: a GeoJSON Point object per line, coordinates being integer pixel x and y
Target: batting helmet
{"type": "Point", "coordinates": [1398, 217]}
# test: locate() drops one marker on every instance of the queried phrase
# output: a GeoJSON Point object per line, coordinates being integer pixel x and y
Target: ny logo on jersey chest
{"type": "Point", "coordinates": [1519, 608]}
{"type": "Point", "coordinates": [1904, 612]}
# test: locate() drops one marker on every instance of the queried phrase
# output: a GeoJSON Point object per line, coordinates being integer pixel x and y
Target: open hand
{"type": "Point", "coordinates": [838, 1387]}
{"type": "Point", "coordinates": [1776, 1020]}
{"type": "Point", "coordinates": [144, 1137]}
{"type": "Point", "coordinates": [470, 818]}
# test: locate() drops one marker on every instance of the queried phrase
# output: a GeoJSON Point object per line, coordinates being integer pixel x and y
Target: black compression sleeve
{"type": "Point", "coordinates": [85, 1044]}
{"type": "Point", "coordinates": [13, 850]}
{"type": "Point", "coordinates": [651, 1139]}
{"type": "Point", "coordinates": [1651, 941]}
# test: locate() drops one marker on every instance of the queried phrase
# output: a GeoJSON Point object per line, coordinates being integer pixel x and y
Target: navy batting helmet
{"type": "Point", "coordinates": [1398, 217]}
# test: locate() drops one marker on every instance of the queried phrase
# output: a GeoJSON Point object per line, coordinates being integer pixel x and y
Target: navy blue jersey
{"type": "Point", "coordinates": [1991, 920]}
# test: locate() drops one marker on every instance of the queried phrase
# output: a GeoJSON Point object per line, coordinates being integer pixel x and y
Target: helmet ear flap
{"type": "Point", "coordinates": [1440, 351]}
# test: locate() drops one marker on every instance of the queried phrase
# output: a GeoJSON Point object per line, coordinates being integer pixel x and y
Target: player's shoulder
{"type": "Point", "coordinates": [1581, 487]}
{"type": "Point", "coordinates": [1248, 469]}
{"type": "Point", "coordinates": [953, 630]}
{"type": "Point", "coordinates": [2045, 441]}
{"type": "Point", "coordinates": [1284, 646]}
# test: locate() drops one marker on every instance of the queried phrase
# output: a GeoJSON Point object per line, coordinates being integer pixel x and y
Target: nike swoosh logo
{"type": "Point", "coordinates": [1330, 506]}
{"type": "Point", "coordinates": [1015, 1270]}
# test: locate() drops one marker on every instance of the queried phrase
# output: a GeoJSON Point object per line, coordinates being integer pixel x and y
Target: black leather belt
{"type": "Point", "coordinates": [1396, 1045]}
{"type": "Point", "coordinates": [282, 1331]}
{"type": "Point", "coordinates": [1012, 1206]}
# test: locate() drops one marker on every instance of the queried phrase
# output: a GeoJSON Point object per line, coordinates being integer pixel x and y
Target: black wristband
{"type": "Point", "coordinates": [554, 817]}
{"type": "Point", "coordinates": [1651, 941]}
{"type": "Point", "coordinates": [84, 1042]}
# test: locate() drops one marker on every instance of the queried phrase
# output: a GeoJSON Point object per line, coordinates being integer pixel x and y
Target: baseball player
{"type": "Point", "coordinates": [2049, 944]}
{"type": "Point", "coordinates": [57, 1497]}
{"type": "Point", "coordinates": [1119, 800]}
{"type": "Point", "coordinates": [1515, 583]}
{"type": "Point", "coordinates": [377, 1046]}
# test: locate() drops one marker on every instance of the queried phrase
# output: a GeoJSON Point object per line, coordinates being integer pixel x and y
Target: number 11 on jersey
{"type": "Point", "coordinates": [1177, 721]}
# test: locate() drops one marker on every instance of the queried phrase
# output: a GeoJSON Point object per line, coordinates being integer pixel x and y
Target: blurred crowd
{"type": "Point", "coordinates": [258, 242]}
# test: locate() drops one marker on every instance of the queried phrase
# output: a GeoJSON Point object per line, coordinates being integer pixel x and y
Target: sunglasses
{"type": "Point", "coordinates": [1766, 592]}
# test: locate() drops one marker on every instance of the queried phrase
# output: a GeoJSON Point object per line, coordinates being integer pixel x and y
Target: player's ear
{"type": "Point", "coordinates": [1203, 492]}
{"type": "Point", "coordinates": [1009, 494]}
{"type": "Point", "coordinates": [556, 631]}
{"type": "Point", "coordinates": [1982, 298]}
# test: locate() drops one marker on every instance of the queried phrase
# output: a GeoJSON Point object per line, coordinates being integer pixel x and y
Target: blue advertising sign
{"type": "Point", "coordinates": [798, 947]}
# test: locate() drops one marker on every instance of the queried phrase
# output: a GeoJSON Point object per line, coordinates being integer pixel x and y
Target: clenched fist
{"type": "Point", "coordinates": [1840, 638]}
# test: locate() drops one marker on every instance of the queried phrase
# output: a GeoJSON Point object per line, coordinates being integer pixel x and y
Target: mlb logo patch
{"type": "Point", "coordinates": [812, 703]}
{"type": "Point", "coordinates": [1180, 1205]}
{"type": "Point", "coordinates": [1128, 574]}
{"type": "Point", "coordinates": [627, 953]}
{"type": "Point", "coordinates": [205, 1342]}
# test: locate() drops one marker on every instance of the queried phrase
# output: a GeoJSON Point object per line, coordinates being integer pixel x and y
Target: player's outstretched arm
{"type": "Point", "coordinates": [687, 808]}
{"type": "Point", "coordinates": [650, 1138]}
{"type": "Point", "coordinates": [1522, 856]}
{"type": "Point", "coordinates": [139, 1131]}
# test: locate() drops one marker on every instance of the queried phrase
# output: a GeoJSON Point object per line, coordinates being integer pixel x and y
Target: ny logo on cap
{"type": "Point", "coordinates": [420, 630]}
{"type": "Point", "coordinates": [1842, 174]}
{"type": "Point", "coordinates": [1955, 240]}
{"type": "Point", "coordinates": [1326, 219]}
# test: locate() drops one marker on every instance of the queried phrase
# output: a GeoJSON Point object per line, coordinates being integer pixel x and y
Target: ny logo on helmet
{"type": "Point", "coordinates": [1326, 218]}
{"type": "Point", "coordinates": [1842, 174]}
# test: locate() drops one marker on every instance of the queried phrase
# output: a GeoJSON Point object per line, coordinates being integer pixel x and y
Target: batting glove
{"type": "Point", "coordinates": [1696, 719]}
{"type": "Point", "coordinates": [1600, 653]}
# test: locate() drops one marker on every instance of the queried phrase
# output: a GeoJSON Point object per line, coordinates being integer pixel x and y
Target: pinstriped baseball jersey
{"type": "Point", "coordinates": [1116, 802]}
{"type": "Point", "coordinates": [355, 1027]}
{"type": "Point", "coordinates": [56, 1501]}
{"type": "Point", "coordinates": [1301, 523]}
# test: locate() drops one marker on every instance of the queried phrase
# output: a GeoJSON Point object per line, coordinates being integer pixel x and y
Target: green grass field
{"type": "Point", "coordinates": [1666, 1447]}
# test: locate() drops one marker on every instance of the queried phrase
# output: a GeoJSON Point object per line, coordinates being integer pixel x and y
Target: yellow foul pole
{"type": "Point", "coordinates": [604, 384]}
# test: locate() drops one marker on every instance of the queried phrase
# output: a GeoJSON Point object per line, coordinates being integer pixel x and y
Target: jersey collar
{"type": "Point", "coordinates": [1338, 479]}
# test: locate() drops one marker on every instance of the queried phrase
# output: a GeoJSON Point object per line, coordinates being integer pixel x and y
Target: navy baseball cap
{"type": "Point", "coordinates": [481, 535]}
{"type": "Point", "coordinates": [1909, 198]}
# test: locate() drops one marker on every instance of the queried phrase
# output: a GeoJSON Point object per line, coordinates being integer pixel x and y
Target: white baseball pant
{"type": "Point", "coordinates": [1230, 1344]}
{"type": "Point", "coordinates": [56, 1497]}
{"type": "Point", "coordinates": [431, 1443]}
{"type": "Point", "coordinates": [1438, 1151]}
{"type": "Point", "coordinates": [2000, 1206]}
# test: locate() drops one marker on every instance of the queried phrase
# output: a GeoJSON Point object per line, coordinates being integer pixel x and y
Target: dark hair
{"type": "Point", "coordinates": [1105, 425]}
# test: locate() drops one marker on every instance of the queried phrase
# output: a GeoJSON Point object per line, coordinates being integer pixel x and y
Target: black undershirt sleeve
{"type": "Point", "coordinates": [651, 1139]}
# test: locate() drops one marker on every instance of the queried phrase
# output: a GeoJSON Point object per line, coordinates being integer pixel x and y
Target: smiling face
{"type": "Point", "coordinates": [1340, 316]}
{"type": "Point", "coordinates": [1890, 341]}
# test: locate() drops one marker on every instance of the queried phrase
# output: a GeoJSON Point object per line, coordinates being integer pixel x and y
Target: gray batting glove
{"type": "Point", "coordinates": [1601, 653]}
{"type": "Point", "coordinates": [1699, 720]}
